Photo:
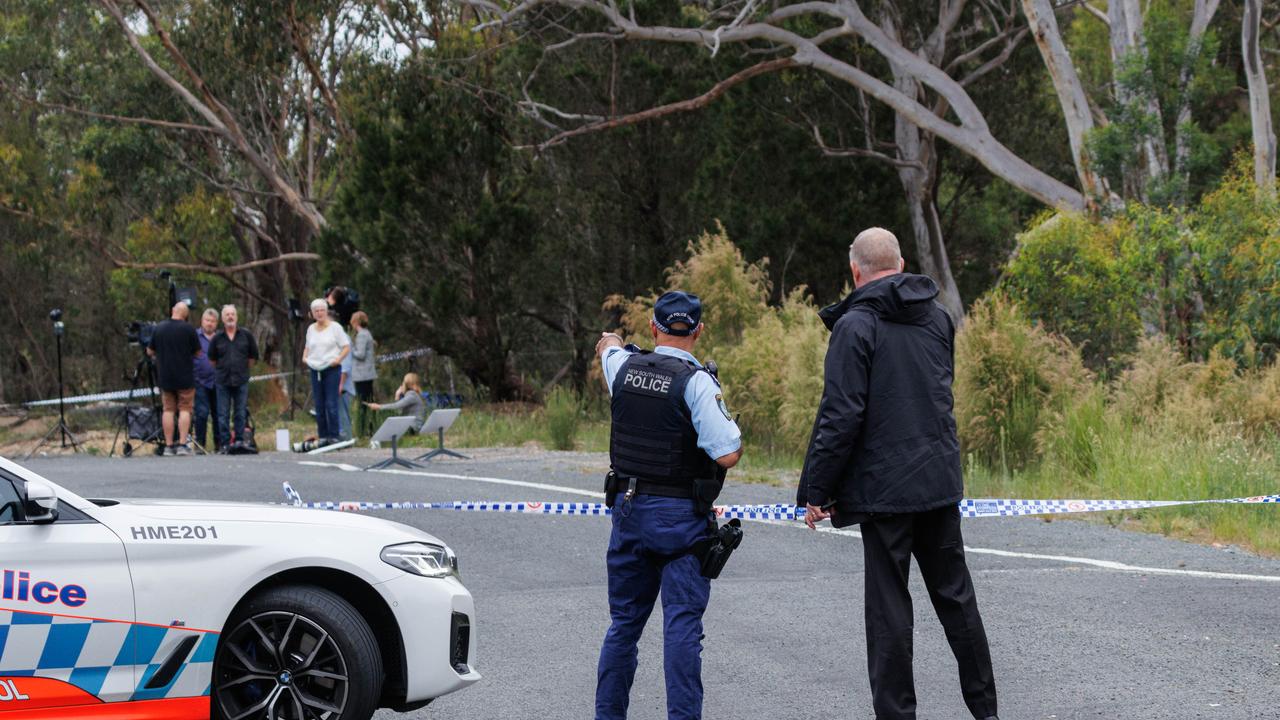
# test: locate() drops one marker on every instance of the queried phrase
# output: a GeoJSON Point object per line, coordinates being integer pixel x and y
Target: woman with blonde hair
{"type": "Point", "coordinates": [408, 399]}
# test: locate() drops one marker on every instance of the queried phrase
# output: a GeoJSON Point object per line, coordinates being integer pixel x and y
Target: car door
{"type": "Point", "coordinates": [67, 635]}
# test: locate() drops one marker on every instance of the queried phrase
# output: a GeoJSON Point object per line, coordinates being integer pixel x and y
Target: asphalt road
{"type": "Point", "coordinates": [1184, 631]}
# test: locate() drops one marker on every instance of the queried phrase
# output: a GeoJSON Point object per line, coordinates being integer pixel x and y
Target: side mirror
{"type": "Point", "coordinates": [42, 503]}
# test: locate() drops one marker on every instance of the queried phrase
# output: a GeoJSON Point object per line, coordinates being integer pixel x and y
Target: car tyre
{"type": "Point", "coordinates": [296, 652]}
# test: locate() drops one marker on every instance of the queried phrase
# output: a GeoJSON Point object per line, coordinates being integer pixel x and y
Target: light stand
{"type": "Point", "coordinates": [298, 378]}
{"type": "Point", "coordinates": [61, 429]}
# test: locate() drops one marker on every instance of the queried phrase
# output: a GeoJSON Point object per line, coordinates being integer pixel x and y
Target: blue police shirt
{"type": "Point", "coordinates": [718, 435]}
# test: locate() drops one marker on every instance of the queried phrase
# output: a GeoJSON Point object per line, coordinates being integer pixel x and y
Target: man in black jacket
{"type": "Point", "coordinates": [884, 453]}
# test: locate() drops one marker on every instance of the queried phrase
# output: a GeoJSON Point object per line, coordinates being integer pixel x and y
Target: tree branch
{"type": "Point", "coordinates": [861, 153]}
{"type": "Point", "coordinates": [702, 100]}
{"type": "Point", "coordinates": [217, 269]}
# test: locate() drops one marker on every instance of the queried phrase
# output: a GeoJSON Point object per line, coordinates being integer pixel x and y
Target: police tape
{"type": "Point", "coordinates": [134, 393]}
{"type": "Point", "coordinates": [987, 507]}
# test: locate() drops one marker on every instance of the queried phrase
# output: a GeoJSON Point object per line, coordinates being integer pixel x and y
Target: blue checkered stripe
{"type": "Point", "coordinates": [112, 660]}
{"type": "Point", "coordinates": [973, 508]}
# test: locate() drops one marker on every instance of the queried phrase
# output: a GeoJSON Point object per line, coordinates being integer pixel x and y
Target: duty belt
{"type": "Point", "coordinates": [621, 484]}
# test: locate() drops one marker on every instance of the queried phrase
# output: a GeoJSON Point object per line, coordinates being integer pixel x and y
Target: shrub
{"type": "Point", "coordinates": [1067, 274]}
{"type": "Point", "coordinates": [1010, 376]}
{"type": "Point", "coordinates": [774, 376]}
{"type": "Point", "coordinates": [734, 293]}
{"type": "Point", "coordinates": [564, 415]}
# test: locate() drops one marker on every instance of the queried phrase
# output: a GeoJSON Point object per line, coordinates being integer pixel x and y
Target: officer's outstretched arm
{"type": "Point", "coordinates": [728, 461]}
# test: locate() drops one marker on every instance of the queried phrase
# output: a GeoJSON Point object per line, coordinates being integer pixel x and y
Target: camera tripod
{"type": "Point", "coordinates": [152, 432]}
{"type": "Point", "coordinates": [61, 429]}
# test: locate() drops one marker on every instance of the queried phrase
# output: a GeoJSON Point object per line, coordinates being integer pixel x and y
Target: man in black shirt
{"type": "Point", "coordinates": [232, 352]}
{"type": "Point", "coordinates": [174, 345]}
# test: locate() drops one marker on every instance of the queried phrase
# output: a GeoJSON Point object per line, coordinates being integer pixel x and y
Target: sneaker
{"type": "Point", "coordinates": [222, 450]}
{"type": "Point", "coordinates": [182, 450]}
{"type": "Point", "coordinates": [374, 444]}
{"type": "Point", "coordinates": [169, 451]}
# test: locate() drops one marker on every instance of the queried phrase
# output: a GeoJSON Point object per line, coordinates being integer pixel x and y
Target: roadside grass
{"type": "Point", "coordinates": [1137, 463]}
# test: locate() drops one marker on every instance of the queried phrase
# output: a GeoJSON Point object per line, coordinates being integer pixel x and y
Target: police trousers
{"type": "Point", "coordinates": [649, 553]}
{"type": "Point", "coordinates": [934, 539]}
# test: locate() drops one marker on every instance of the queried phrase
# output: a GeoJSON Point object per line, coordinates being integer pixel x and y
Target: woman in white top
{"type": "Point", "coordinates": [327, 345]}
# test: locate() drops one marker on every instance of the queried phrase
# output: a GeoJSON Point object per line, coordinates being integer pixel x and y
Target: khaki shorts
{"type": "Point", "coordinates": [179, 400]}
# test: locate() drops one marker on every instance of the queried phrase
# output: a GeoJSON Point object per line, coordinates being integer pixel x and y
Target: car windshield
{"type": "Point", "coordinates": [10, 502]}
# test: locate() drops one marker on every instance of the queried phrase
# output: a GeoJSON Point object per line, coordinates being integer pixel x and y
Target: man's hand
{"type": "Point", "coordinates": [814, 515]}
{"type": "Point", "coordinates": [608, 340]}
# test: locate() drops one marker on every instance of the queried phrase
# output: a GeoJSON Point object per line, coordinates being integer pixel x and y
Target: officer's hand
{"type": "Point", "coordinates": [608, 339]}
{"type": "Point", "coordinates": [814, 515]}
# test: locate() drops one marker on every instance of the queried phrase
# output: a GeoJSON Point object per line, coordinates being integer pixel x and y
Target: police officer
{"type": "Point", "coordinates": [670, 442]}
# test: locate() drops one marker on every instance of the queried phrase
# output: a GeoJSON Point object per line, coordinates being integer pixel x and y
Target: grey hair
{"type": "Point", "coordinates": [875, 250]}
{"type": "Point", "coordinates": [209, 311]}
{"type": "Point", "coordinates": [233, 309]}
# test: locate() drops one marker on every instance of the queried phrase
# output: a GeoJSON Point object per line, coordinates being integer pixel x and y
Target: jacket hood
{"type": "Point", "coordinates": [902, 298]}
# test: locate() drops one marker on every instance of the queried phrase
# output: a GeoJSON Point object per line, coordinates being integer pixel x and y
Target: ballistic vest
{"type": "Point", "coordinates": [652, 436]}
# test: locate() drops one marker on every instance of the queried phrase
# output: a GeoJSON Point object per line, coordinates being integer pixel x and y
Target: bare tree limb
{"type": "Point", "coordinates": [702, 100]}
{"type": "Point", "coordinates": [211, 110]}
{"type": "Point", "coordinates": [167, 124]}
{"type": "Point", "coordinates": [217, 269]}
{"type": "Point", "coordinates": [861, 153]}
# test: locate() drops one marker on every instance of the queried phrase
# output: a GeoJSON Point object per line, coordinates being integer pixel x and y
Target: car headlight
{"type": "Point", "coordinates": [419, 558]}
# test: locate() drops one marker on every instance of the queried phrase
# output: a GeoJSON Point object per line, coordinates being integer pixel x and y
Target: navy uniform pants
{"type": "Point", "coordinates": [934, 539]}
{"type": "Point", "coordinates": [648, 554]}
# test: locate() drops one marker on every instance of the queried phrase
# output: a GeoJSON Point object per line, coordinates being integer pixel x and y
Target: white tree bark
{"type": "Point", "coordinates": [1202, 16]}
{"type": "Point", "coordinates": [971, 136]}
{"type": "Point", "coordinates": [918, 169]}
{"type": "Point", "coordinates": [1264, 136]}
{"type": "Point", "coordinates": [1128, 44]}
{"type": "Point", "coordinates": [1071, 95]}
{"type": "Point", "coordinates": [219, 119]}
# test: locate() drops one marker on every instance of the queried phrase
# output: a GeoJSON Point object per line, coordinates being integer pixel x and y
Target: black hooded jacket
{"type": "Point", "coordinates": [884, 440]}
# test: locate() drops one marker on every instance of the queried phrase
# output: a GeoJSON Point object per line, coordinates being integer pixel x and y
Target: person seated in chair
{"type": "Point", "coordinates": [409, 400]}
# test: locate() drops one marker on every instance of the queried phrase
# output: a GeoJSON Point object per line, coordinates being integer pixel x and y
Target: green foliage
{"type": "Point", "coordinates": [1068, 274]}
{"type": "Point", "coordinates": [1206, 278]}
{"type": "Point", "coordinates": [770, 357]}
{"type": "Point", "coordinates": [1011, 376]}
{"type": "Point", "coordinates": [564, 415]}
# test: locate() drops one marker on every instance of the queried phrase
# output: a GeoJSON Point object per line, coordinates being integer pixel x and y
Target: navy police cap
{"type": "Point", "coordinates": [677, 307]}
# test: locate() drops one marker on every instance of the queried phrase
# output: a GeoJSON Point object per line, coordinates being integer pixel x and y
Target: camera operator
{"type": "Point", "coordinates": [175, 346]}
{"type": "Point", "coordinates": [206, 412]}
{"type": "Point", "coordinates": [232, 352]}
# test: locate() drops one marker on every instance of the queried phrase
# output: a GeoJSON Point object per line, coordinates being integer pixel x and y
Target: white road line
{"type": "Point", "coordinates": [477, 478]}
{"type": "Point", "coordinates": [1104, 564]}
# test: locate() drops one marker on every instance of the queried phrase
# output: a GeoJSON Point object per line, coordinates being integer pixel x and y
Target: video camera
{"type": "Point", "coordinates": [140, 332]}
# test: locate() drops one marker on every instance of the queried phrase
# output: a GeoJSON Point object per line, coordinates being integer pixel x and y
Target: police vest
{"type": "Point", "coordinates": [652, 436]}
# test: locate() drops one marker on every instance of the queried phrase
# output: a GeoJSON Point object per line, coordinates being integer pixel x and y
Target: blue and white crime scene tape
{"type": "Point", "coordinates": [993, 507]}
{"type": "Point", "coordinates": [143, 392]}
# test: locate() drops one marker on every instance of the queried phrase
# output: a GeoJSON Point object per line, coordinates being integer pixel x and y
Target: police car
{"type": "Point", "coordinates": [184, 609]}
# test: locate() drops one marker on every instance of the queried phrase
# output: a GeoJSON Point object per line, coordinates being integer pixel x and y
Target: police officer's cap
{"type": "Point", "coordinates": [677, 307]}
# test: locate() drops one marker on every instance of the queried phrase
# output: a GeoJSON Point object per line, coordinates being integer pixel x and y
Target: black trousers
{"type": "Point", "coordinates": [364, 422]}
{"type": "Point", "coordinates": [934, 539]}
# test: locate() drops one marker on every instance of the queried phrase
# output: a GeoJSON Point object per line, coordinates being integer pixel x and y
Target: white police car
{"type": "Point", "coordinates": [184, 609]}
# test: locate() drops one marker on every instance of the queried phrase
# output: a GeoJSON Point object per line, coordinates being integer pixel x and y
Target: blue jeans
{"type": "Point", "coordinates": [648, 553]}
{"type": "Point", "coordinates": [206, 413]}
{"type": "Point", "coordinates": [233, 398]}
{"type": "Point", "coordinates": [324, 393]}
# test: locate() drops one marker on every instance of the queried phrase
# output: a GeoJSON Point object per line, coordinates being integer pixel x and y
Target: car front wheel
{"type": "Point", "coordinates": [296, 652]}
